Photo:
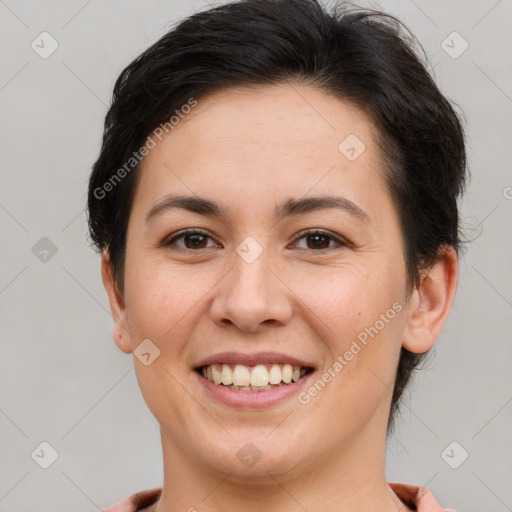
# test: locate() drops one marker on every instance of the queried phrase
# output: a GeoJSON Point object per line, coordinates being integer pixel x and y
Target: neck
{"type": "Point", "coordinates": [350, 478]}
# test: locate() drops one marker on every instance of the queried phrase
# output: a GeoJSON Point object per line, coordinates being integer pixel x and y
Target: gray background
{"type": "Point", "coordinates": [63, 380]}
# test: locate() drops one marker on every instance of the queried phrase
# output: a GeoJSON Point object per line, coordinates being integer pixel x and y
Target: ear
{"type": "Point", "coordinates": [117, 305]}
{"type": "Point", "coordinates": [430, 303]}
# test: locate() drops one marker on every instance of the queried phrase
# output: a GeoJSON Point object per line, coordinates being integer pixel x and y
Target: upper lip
{"type": "Point", "coordinates": [252, 359]}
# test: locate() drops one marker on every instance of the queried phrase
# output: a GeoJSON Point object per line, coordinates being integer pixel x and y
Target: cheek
{"type": "Point", "coordinates": [356, 314]}
{"type": "Point", "coordinates": [161, 309]}
{"type": "Point", "coordinates": [346, 299]}
{"type": "Point", "coordinates": [160, 298]}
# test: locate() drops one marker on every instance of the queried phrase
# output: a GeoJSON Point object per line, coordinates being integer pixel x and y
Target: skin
{"type": "Point", "coordinates": [251, 148]}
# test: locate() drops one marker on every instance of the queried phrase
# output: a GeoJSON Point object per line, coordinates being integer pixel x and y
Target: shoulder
{"type": "Point", "coordinates": [418, 497]}
{"type": "Point", "coordinates": [137, 501]}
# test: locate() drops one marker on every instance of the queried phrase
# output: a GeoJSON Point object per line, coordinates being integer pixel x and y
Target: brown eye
{"type": "Point", "coordinates": [319, 240]}
{"type": "Point", "coordinates": [192, 239]}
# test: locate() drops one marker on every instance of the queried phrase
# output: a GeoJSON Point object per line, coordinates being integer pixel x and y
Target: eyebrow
{"type": "Point", "coordinates": [290, 207]}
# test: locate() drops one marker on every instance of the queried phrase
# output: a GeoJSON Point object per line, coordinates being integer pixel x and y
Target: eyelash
{"type": "Point", "coordinates": [303, 234]}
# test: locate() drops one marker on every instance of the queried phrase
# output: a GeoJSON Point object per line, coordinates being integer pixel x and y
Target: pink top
{"type": "Point", "coordinates": [419, 499]}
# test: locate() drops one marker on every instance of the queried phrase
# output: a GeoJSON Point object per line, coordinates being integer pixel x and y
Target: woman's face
{"type": "Point", "coordinates": [249, 287]}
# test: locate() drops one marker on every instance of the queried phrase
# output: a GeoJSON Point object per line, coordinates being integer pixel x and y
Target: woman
{"type": "Point", "coordinates": [276, 205]}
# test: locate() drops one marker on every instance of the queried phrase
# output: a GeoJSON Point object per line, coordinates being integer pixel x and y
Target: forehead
{"type": "Point", "coordinates": [260, 144]}
{"type": "Point", "coordinates": [283, 112]}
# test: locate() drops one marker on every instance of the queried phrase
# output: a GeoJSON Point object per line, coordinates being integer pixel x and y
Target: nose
{"type": "Point", "coordinates": [251, 295]}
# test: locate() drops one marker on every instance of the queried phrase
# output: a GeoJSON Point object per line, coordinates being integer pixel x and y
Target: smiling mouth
{"type": "Point", "coordinates": [261, 377]}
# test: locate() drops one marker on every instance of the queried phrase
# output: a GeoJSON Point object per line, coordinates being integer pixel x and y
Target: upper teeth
{"type": "Point", "coordinates": [259, 375]}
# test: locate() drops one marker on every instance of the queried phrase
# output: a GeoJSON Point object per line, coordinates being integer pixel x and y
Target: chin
{"type": "Point", "coordinates": [258, 455]}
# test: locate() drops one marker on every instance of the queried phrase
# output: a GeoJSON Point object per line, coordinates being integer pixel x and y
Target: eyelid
{"type": "Point", "coordinates": [184, 232]}
{"type": "Point", "coordinates": [342, 242]}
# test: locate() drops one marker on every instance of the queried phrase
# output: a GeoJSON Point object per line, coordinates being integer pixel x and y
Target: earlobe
{"type": "Point", "coordinates": [431, 302]}
{"type": "Point", "coordinates": [117, 305]}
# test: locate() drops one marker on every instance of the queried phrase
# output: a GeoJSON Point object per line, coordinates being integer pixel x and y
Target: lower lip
{"type": "Point", "coordinates": [252, 399]}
